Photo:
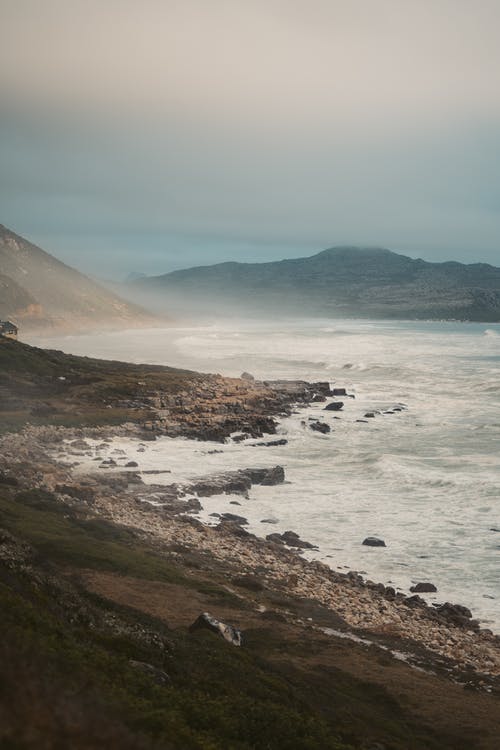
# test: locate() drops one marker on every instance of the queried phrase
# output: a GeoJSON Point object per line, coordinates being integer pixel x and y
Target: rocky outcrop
{"type": "Point", "coordinates": [206, 622]}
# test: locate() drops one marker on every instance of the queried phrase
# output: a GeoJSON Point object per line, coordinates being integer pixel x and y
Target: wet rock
{"type": "Point", "coordinates": [414, 601]}
{"type": "Point", "coordinates": [320, 427]}
{"type": "Point", "coordinates": [274, 476]}
{"type": "Point", "coordinates": [457, 614]}
{"type": "Point", "coordinates": [293, 540]}
{"type": "Point", "coordinates": [247, 376]}
{"type": "Point", "coordinates": [362, 420]}
{"type": "Point", "coordinates": [275, 537]}
{"type": "Point", "coordinates": [370, 415]}
{"type": "Point", "coordinates": [269, 520]}
{"type": "Point", "coordinates": [206, 622]}
{"type": "Point", "coordinates": [423, 588]}
{"type": "Point", "coordinates": [339, 392]}
{"type": "Point", "coordinates": [131, 464]}
{"type": "Point", "coordinates": [239, 438]}
{"type": "Point", "coordinates": [334, 406]}
{"type": "Point", "coordinates": [271, 443]}
{"type": "Point", "coordinates": [373, 541]}
{"type": "Point", "coordinates": [235, 518]}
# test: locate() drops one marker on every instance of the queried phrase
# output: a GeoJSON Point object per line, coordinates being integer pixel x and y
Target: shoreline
{"type": "Point", "coordinates": [449, 643]}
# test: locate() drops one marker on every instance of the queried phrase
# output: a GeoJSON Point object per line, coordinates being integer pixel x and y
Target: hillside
{"type": "Point", "coordinates": [343, 281]}
{"type": "Point", "coordinates": [39, 291]}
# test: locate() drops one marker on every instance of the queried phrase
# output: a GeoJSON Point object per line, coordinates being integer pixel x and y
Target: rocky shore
{"type": "Point", "coordinates": [439, 640]}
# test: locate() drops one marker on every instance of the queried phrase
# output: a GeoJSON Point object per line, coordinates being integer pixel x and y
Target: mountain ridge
{"type": "Point", "coordinates": [38, 291]}
{"type": "Point", "coordinates": [343, 280]}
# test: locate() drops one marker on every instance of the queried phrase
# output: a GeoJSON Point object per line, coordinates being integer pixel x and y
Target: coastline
{"type": "Point", "coordinates": [447, 642]}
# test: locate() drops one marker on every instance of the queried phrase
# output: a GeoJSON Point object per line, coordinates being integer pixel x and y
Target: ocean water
{"type": "Point", "coordinates": [426, 479]}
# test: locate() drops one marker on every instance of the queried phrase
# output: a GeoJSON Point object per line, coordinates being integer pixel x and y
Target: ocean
{"type": "Point", "coordinates": [425, 479]}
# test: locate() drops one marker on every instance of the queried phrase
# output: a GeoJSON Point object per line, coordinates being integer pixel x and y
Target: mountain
{"type": "Point", "coordinates": [39, 291]}
{"type": "Point", "coordinates": [340, 281]}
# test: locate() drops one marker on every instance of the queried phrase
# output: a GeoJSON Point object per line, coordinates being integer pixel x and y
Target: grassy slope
{"type": "Point", "coordinates": [67, 680]}
{"type": "Point", "coordinates": [90, 393]}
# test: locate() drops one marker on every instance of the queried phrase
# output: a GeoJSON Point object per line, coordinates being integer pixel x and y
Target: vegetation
{"type": "Point", "coordinates": [81, 671]}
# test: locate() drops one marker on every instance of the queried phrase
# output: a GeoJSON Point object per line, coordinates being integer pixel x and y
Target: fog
{"type": "Point", "coordinates": [155, 136]}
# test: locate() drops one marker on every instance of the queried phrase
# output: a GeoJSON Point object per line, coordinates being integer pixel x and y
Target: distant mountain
{"type": "Point", "coordinates": [37, 290]}
{"type": "Point", "coordinates": [341, 281]}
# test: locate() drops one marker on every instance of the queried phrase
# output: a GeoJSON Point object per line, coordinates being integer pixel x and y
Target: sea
{"type": "Point", "coordinates": [425, 479]}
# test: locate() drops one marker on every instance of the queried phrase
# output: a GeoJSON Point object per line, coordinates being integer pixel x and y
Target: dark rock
{"type": "Point", "coordinates": [247, 376]}
{"type": "Point", "coordinates": [239, 438]}
{"type": "Point", "coordinates": [269, 520]}
{"type": "Point", "coordinates": [362, 420]}
{"type": "Point", "coordinates": [131, 464]}
{"type": "Point", "coordinates": [206, 622]}
{"type": "Point", "coordinates": [370, 415]}
{"type": "Point", "coordinates": [320, 427]}
{"type": "Point", "coordinates": [456, 614]}
{"type": "Point", "coordinates": [339, 392]}
{"type": "Point", "coordinates": [234, 518]}
{"type": "Point", "coordinates": [373, 541]}
{"type": "Point", "coordinates": [423, 588]}
{"type": "Point", "coordinates": [234, 502]}
{"type": "Point", "coordinates": [214, 515]}
{"type": "Point", "coordinates": [334, 406]}
{"type": "Point", "coordinates": [275, 537]}
{"type": "Point", "coordinates": [293, 540]}
{"type": "Point", "coordinates": [414, 601]}
{"type": "Point", "coordinates": [271, 443]}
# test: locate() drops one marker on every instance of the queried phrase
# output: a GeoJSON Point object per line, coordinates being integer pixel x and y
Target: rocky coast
{"type": "Point", "coordinates": [308, 617]}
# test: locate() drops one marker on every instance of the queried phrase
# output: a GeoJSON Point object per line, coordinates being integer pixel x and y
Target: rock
{"type": "Point", "coordinates": [158, 675]}
{"type": "Point", "coordinates": [234, 518]}
{"type": "Point", "coordinates": [423, 588]}
{"type": "Point", "coordinates": [293, 540]}
{"type": "Point", "coordinates": [269, 520]}
{"type": "Point", "coordinates": [456, 614]}
{"type": "Point", "coordinates": [370, 415]}
{"type": "Point", "coordinates": [206, 622]}
{"type": "Point", "coordinates": [274, 476]}
{"type": "Point", "coordinates": [362, 420]}
{"type": "Point", "coordinates": [247, 376]}
{"type": "Point", "coordinates": [373, 541]}
{"type": "Point", "coordinates": [275, 537]}
{"type": "Point", "coordinates": [414, 601]}
{"type": "Point", "coordinates": [339, 392]}
{"type": "Point", "coordinates": [334, 406]}
{"type": "Point", "coordinates": [320, 427]}
{"type": "Point", "coordinates": [131, 464]}
{"type": "Point", "coordinates": [240, 437]}
{"type": "Point", "coordinates": [270, 443]}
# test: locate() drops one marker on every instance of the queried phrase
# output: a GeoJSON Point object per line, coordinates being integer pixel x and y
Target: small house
{"type": "Point", "coordinates": [8, 329]}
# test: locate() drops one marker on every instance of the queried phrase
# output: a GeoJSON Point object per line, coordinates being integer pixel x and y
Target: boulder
{"type": "Point", "coordinates": [273, 476]}
{"type": "Point", "coordinates": [370, 415]}
{"type": "Point", "coordinates": [320, 427]}
{"type": "Point", "coordinates": [271, 443]}
{"type": "Point", "coordinates": [423, 588]}
{"type": "Point", "coordinates": [334, 406]}
{"type": "Point", "coordinates": [234, 518]}
{"type": "Point", "coordinates": [131, 464]}
{"type": "Point", "coordinates": [206, 622]}
{"type": "Point", "coordinates": [373, 541]}
{"type": "Point", "coordinates": [339, 392]}
{"type": "Point", "coordinates": [247, 376]}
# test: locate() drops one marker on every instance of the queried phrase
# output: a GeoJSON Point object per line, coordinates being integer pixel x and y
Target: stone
{"type": "Point", "coordinates": [320, 427]}
{"type": "Point", "coordinates": [269, 520]}
{"type": "Point", "coordinates": [339, 392]}
{"type": "Point", "coordinates": [334, 406]}
{"type": "Point", "coordinates": [158, 675]}
{"type": "Point", "coordinates": [373, 541]}
{"type": "Point", "coordinates": [234, 518]}
{"type": "Point", "coordinates": [370, 415]}
{"type": "Point", "coordinates": [423, 588]}
{"type": "Point", "coordinates": [271, 443]}
{"type": "Point", "coordinates": [247, 376]}
{"type": "Point", "coordinates": [131, 464]}
{"type": "Point", "coordinates": [207, 622]}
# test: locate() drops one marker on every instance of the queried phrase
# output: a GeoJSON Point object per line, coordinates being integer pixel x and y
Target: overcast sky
{"type": "Point", "coordinates": [161, 134]}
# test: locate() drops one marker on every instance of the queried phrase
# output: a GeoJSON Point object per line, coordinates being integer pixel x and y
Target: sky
{"type": "Point", "coordinates": [154, 135]}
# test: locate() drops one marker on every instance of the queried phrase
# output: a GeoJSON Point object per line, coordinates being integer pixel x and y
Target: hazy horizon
{"type": "Point", "coordinates": [157, 136]}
